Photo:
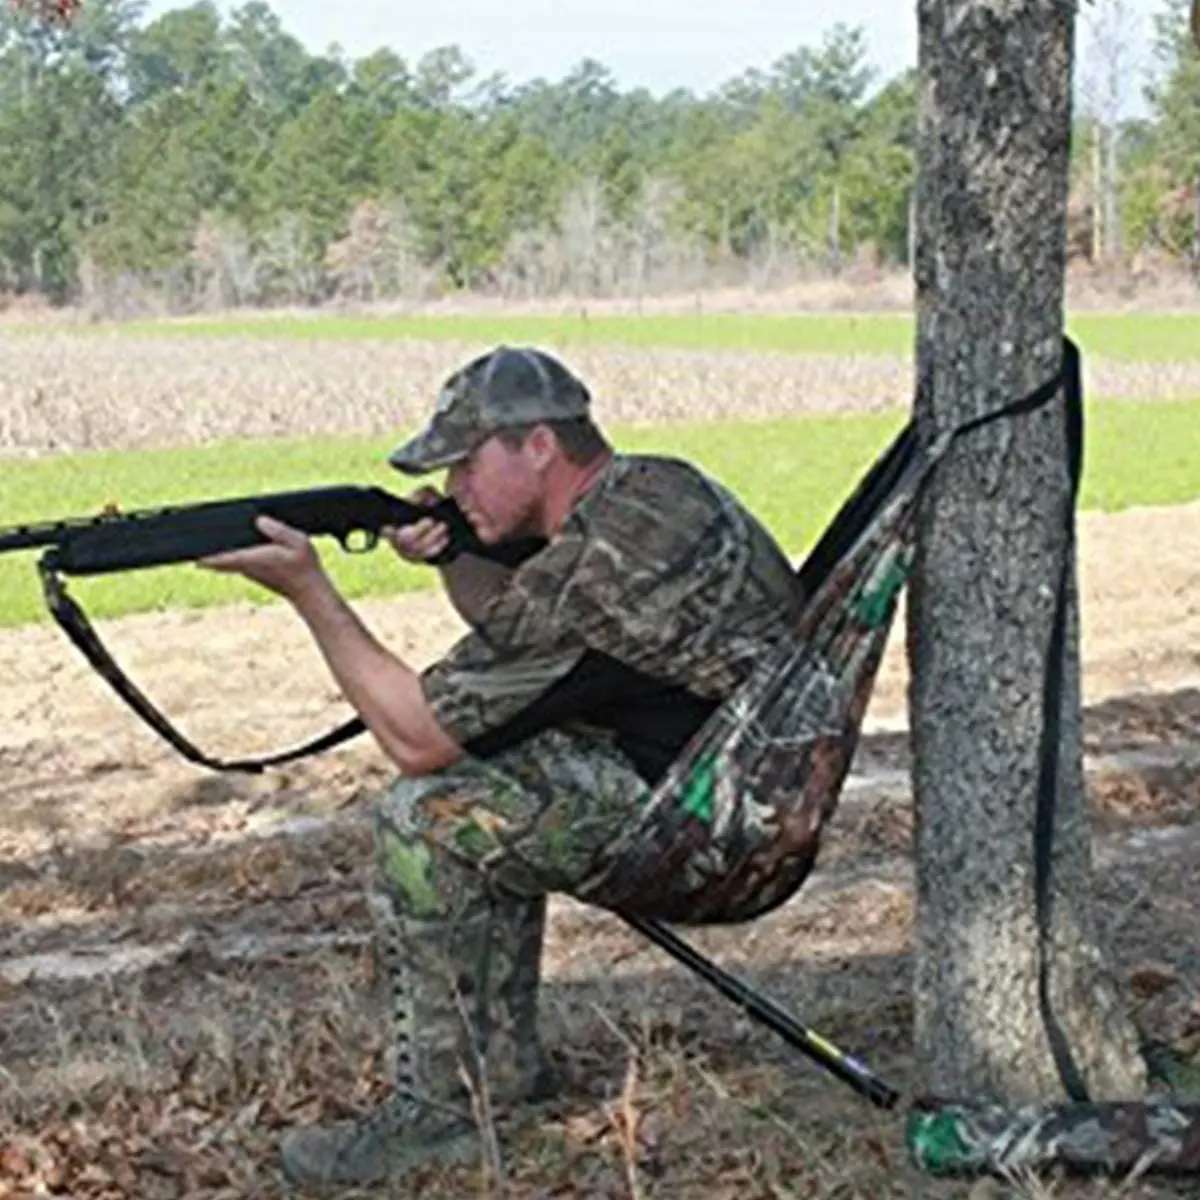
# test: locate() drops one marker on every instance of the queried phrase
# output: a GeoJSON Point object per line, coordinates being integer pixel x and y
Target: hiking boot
{"type": "Point", "coordinates": [395, 1137]}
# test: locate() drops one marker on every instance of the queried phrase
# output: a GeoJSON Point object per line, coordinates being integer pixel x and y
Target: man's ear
{"type": "Point", "coordinates": [541, 446]}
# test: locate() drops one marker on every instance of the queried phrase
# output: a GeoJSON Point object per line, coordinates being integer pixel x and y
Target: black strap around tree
{"type": "Point", "coordinates": [1052, 697]}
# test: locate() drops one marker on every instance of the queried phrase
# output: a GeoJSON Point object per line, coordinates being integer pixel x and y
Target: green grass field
{"type": "Point", "coordinates": [793, 473]}
{"type": "Point", "coordinates": [1152, 337]}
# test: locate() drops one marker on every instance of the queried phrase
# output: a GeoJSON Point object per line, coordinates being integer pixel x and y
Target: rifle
{"type": "Point", "coordinates": [116, 541]}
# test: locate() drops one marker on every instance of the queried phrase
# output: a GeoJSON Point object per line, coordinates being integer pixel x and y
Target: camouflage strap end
{"type": "Point", "coordinates": [953, 1138]}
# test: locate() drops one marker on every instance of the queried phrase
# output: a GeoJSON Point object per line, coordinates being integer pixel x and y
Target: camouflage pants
{"type": "Point", "coordinates": [464, 860]}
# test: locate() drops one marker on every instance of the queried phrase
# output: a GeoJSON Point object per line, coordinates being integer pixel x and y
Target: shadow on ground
{"type": "Point", "coordinates": [246, 1000]}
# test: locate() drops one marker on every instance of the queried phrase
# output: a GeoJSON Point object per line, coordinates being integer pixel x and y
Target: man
{"type": "Point", "coordinates": [535, 741]}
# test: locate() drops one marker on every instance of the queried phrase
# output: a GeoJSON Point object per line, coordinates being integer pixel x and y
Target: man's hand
{"type": "Point", "coordinates": [286, 564]}
{"type": "Point", "coordinates": [423, 540]}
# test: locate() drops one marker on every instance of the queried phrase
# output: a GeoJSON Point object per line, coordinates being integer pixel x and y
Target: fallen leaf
{"type": "Point", "coordinates": [1151, 979]}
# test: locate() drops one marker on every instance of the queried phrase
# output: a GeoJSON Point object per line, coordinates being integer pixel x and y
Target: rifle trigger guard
{"type": "Point", "coordinates": [359, 541]}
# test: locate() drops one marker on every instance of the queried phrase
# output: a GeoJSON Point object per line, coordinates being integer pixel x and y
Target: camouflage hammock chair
{"type": "Point", "coordinates": [734, 827]}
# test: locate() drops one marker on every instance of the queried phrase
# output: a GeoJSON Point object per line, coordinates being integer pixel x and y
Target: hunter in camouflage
{"type": "Point", "coordinates": [543, 737]}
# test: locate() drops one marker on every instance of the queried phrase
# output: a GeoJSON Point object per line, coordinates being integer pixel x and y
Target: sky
{"type": "Point", "coordinates": [657, 44]}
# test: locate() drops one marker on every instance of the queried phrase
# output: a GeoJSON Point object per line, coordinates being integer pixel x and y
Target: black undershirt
{"type": "Point", "coordinates": [653, 721]}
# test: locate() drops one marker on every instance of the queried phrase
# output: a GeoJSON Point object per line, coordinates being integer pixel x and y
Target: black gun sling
{"type": "Point", "coordinates": [74, 623]}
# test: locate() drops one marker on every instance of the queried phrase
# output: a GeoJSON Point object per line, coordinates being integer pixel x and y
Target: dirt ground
{"type": "Point", "coordinates": [184, 957]}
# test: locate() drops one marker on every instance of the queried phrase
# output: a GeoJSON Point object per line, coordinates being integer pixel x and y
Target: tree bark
{"type": "Point", "coordinates": [992, 540]}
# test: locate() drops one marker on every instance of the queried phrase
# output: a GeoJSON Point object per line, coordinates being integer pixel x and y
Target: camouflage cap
{"type": "Point", "coordinates": [507, 386]}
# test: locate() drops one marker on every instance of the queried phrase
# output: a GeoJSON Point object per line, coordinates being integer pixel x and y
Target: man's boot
{"type": "Point", "coordinates": [401, 1133]}
{"type": "Point", "coordinates": [462, 967]}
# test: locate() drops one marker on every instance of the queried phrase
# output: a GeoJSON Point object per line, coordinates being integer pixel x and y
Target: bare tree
{"type": "Point", "coordinates": [1105, 92]}
{"type": "Point", "coordinates": [379, 256]}
{"type": "Point", "coordinates": [1013, 999]}
{"type": "Point", "coordinates": [651, 237]}
{"type": "Point", "coordinates": [227, 275]}
{"type": "Point", "coordinates": [290, 269]}
{"type": "Point", "coordinates": [586, 235]}
{"type": "Point", "coordinates": [527, 268]}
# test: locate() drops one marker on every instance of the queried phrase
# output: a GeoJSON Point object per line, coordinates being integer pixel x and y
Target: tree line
{"type": "Point", "coordinates": [208, 161]}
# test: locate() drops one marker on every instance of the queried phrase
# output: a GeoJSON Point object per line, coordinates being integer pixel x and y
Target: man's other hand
{"type": "Point", "coordinates": [423, 540]}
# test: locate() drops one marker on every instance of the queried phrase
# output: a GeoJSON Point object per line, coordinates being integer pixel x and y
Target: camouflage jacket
{"type": "Point", "coordinates": [658, 568]}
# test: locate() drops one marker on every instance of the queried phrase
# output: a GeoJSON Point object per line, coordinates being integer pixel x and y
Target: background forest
{"type": "Point", "coordinates": [193, 162]}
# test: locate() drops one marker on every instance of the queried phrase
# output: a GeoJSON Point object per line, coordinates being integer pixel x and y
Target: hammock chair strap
{"type": "Point", "coordinates": [1048, 754]}
{"type": "Point", "coordinates": [889, 471]}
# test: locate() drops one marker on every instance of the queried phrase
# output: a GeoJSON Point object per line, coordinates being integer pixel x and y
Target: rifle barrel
{"type": "Point", "coordinates": [47, 533]}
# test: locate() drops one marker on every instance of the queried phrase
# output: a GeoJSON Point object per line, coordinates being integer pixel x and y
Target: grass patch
{"type": "Point", "coordinates": [1146, 337]}
{"type": "Point", "coordinates": [793, 473]}
{"type": "Point", "coordinates": [1141, 455]}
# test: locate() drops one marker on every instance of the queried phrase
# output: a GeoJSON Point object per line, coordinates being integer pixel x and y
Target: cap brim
{"type": "Point", "coordinates": [428, 451]}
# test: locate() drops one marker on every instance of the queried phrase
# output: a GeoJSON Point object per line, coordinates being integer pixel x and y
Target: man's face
{"type": "Point", "coordinates": [499, 488]}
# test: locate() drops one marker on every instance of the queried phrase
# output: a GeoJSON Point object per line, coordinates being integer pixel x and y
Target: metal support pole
{"type": "Point", "coordinates": [766, 1012]}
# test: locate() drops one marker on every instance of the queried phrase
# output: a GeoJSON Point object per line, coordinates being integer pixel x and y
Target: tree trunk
{"type": "Point", "coordinates": [992, 541]}
{"type": "Point", "coordinates": [1112, 210]}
